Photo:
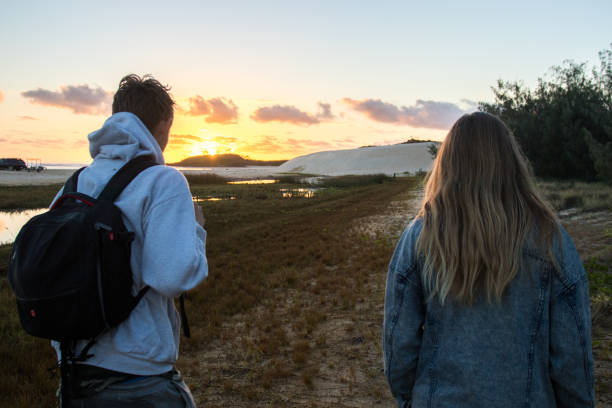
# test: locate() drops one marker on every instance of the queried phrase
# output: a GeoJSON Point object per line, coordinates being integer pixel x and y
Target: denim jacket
{"type": "Point", "coordinates": [531, 350]}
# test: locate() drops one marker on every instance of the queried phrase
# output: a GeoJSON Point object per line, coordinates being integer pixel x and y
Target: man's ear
{"type": "Point", "coordinates": [162, 133]}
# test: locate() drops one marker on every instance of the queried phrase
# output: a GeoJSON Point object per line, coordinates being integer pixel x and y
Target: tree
{"type": "Point", "coordinates": [565, 123]}
{"type": "Point", "coordinates": [433, 150]}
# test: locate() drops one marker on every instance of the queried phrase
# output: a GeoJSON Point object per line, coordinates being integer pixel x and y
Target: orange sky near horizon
{"type": "Point", "coordinates": [276, 80]}
{"type": "Point", "coordinates": [55, 133]}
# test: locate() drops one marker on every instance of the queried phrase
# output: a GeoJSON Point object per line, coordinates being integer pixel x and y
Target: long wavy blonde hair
{"type": "Point", "coordinates": [480, 204]}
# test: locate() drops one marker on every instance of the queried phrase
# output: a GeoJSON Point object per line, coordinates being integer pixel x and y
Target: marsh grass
{"type": "Point", "coordinates": [292, 306]}
{"type": "Point", "coordinates": [355, 181]}
{"type": "Point", "coordinates": [203, 179]}
{"type": "Point", "coordinates": [564, 195]}
{"type": "Point", "coordinates": [585, 210]}
{"type": "Point", "coordinates": [27, 197]}
{"type": "Point", "coordinates": [260, 246]}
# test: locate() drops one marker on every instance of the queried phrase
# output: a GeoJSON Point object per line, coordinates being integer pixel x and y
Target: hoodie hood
{"type": "Point", "coordinates": [123, 137]}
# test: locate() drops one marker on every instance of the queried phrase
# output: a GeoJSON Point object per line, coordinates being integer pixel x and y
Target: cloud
{"type": "Point", "coordinates": [225, 139]}
{"type": "Point", "coordinates": [216, 110]}
{"type": "Point", "coordinates": [57, 143]}
{"type": "Point", "coordinates": [325, 111]}
{"type": "Point", "coordinates": [183, 139]}
{"type": "Point", "coordinates": [267, 144]}
{"type": "Point", "coordinates": [470, 105]}
{"type": "Point", "coordinates": [345, 142]}
{"type": "Point", "coordinates": [1, 96]}
{"type": "Point", "coordinates": [197, 106]}
{"type": "Point", "coordinates": [283, 113]}
{"type": "Point", "coordinates": [222, 112]}
{"type": "Point", "coordinates": [303, 143]}
{"type": "Point", "coordinates": [78, 98]}
{"type": "Point", "coordinates": [291, 114]}
{"type": "Point", "coordinates": [425, 114]}
{"type": "Point", "coordinates": [24, 117]}
{"type": "Point", "coordinates": [263, 144]}
{"type": "Point", "coordinates": [189, 139]}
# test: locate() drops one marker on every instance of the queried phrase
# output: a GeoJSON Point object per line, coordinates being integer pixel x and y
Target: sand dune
{"type": "Point", "coordinates": [390, 160]}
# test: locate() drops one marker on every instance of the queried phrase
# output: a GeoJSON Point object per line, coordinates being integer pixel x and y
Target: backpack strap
{"type": "Point", "coordinates": [184, 321]}
{"type": "Point", "coordinates": [71, 183]}
{"type": "Point", "coordinates": [123, 177]}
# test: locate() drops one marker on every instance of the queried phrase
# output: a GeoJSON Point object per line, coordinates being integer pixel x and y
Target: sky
{"type": "Point", "coordinates": [274, 80]}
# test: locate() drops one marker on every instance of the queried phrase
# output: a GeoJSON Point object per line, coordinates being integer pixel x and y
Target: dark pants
{"type": "Point", "coordinates": [156, 391]}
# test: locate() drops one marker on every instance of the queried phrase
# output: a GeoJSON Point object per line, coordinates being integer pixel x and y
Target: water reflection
{"type": "Point", "coordinates": [12, 221]}
{"type": "Point", "coordinates": [263, 181]}
{"type": "Point", "coordinates": [297, 192]}
{"type": "Point", "coordinates": [198, 199]}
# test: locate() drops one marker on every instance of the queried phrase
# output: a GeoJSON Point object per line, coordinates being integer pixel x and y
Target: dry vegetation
{"type": "Point", "coordinates": [585, 209]}
{"type": "Point", "coordinates": [26, 197]}
{"type": "Point", "coordinates": [291, 313]}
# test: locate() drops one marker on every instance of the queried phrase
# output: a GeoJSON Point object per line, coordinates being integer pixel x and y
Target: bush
{"type": "Point", "coordinates": [355, 181]}
{"type": "Point", "coordinates": [564, 125]}
{"type": "Point", "coordinates": [209, 178]}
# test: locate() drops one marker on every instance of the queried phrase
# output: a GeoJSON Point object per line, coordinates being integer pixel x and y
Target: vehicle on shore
{"type": "Point", "coordinates": [12, 164]}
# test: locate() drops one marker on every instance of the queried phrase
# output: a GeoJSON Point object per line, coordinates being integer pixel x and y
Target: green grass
{"type": "Point", "coordinates": [258, 243]}
{"type": "Point", "coordinates": [27, 197]}
{"type": "Point", "coordinates": [282, 267]}
{"type": "Point", "coordinates": [200, 179]}
{"type": "Point", "coordinates": [563, 195]}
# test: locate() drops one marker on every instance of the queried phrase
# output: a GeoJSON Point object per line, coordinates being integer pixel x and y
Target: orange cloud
{"type": "Point", "coordinates": [81, 99]}
{"type": "Point", "coordinates": [283, 113]}
{"type": "Point", "coordinates": [183, 139]}
{"type": "Point", "coordinates": [216, 110]}
{"type": "Point", "coordinates": [1, 96]}
{"type": "Point", "coordinates": [44, 142]}
{"type": "Point", "coordinates": [291, 114]}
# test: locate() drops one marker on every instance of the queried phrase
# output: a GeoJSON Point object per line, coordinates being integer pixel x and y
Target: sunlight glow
{"type": "Point", "coordinates": [209, 147]}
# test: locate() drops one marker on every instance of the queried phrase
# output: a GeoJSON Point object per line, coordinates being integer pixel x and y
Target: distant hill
{"type": "Point", "coordinates": [411, 141]}
{"type": "Point", "coordinates": [224, 160]}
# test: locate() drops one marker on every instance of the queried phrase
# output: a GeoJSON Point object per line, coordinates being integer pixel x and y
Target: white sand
{"type": "Point", "coordinates": [390, 160]}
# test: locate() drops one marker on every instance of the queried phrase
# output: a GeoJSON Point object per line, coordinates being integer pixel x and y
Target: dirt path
{"type": "Point", "coordinates": [315, 347]}
{"type": "Point", "coordinates": [319, 345]}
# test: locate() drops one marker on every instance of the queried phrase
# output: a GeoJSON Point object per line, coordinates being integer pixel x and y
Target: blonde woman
{"type": "Point", "coordinates": [487, 301]}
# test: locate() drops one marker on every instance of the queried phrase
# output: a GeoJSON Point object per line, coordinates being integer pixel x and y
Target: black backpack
{"type": "Point", "coordinates": [70, 266]}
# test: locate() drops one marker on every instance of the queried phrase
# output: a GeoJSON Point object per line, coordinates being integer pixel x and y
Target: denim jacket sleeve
{"type": "Point", "coordinates": [403, 318]}
{"type": "Point", "coordinates": [571, 358]}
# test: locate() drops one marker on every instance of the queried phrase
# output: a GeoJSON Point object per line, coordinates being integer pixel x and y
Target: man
{"type": "Point", "coordinates": [132, 365]}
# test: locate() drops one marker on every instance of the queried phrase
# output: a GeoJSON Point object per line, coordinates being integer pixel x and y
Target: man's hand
{"type": "Point", "coordinates": [198, 214]}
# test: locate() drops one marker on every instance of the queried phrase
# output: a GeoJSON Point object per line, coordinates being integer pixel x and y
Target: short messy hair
{"type": "Point", "coordinates": [146, 98]}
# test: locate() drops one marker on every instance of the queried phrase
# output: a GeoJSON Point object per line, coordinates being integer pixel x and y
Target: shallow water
{"type": "Point", "coordinates": [198, 199]}
{"type": "Point", "coordinates": [12, 221]}
{"type": "Point", "coordinates": [264, 181]}
{"type": "Point", "coordinates": [298, 192]}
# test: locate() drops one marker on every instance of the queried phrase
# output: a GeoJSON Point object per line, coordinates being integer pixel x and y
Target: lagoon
{"type": "Point", "coordinates": [12, 221]}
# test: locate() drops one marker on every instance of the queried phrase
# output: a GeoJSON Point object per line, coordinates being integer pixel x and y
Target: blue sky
{"type": "Point", "coordinates": [289, 54]}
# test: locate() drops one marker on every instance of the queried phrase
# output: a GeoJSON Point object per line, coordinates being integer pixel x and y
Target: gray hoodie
{"type": "Point", "coordinates": [168, 252]}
